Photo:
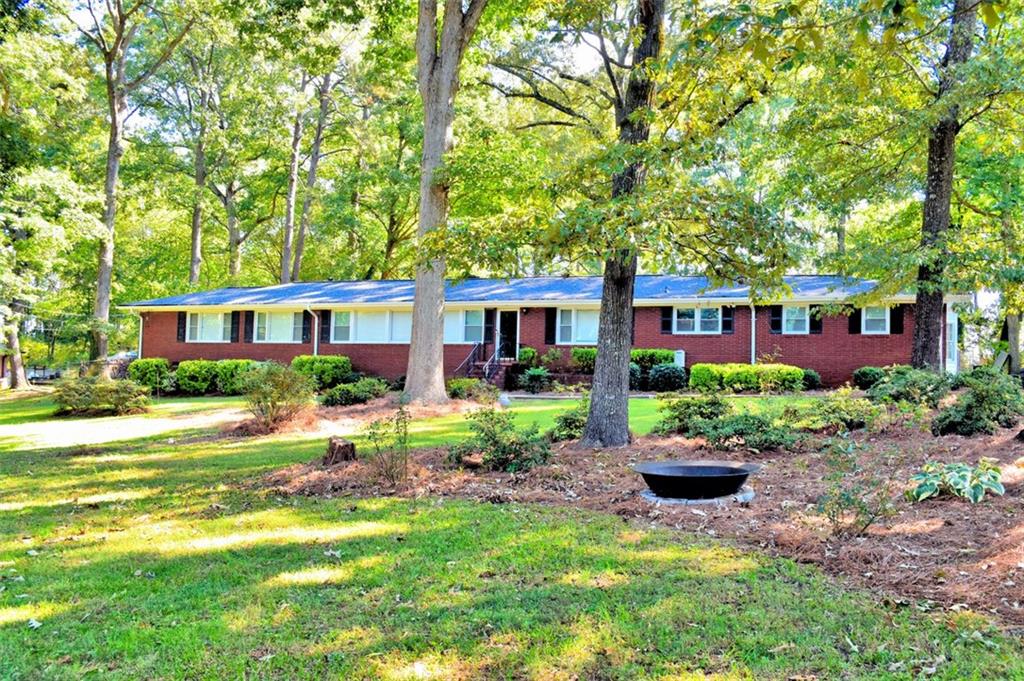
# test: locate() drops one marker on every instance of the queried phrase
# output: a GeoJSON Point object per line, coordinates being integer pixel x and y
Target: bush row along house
{"type": "Point", "coordinates": [488, 320]}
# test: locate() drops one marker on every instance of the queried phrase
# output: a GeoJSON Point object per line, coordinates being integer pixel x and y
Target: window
{"type": "Point", "coordinates": [341, 327]}
{"type": "Point", "coordinates": [578, 326]}
{"type": "Point", "coordinates": [875, 320]}
{"type": "Point", "coordinates": [401, 327]}
{"type": "Point", "coordinates": [371, 327]}
{"type": "Point", "coordinates": [698, 320]}
{"type": "Point", "coordinates": [209, 327]}
{"type": "Point", "coordinates": [473, 326]}
{"type": "Point", "coordinates": [278, 327]}
{"type": "Point", "coordinates": [795, 319]}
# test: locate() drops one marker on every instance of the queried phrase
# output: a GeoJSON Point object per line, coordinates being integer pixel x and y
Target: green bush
{"type": "Point", "coordinates": [855, 497]}
{"type": "Point", "coordinates": [552, 357]}
{"type": "Point", "coordinates": [648, 358]}
{"type": "Point", "coordinates": [275, 393]}
{"type": "Point", "coordinates": [570, 423]}
{"type": "Point", "coordinates": [992, 400]}
{"type": "Point", "coordinates": [680, 414]}
{"type": "Point", "coordinates": [475, 389]}
{"type": "Point", "coordinates": [744, 431]}
{"type": "Point", "coordinates": [95, 396]}
{"type": "Point", "coordinates": [812, 379]}
{"type": "Point", "coordinates": [958, 480]}
{"type": "Point", "coordinates": [326, 371]}
{"type": "Point", "coordinates": [360, 392]}
{"type": "Point", "coordinates": [583, 359]}
{"type": "Point", "coordinates": [196, 376]}
{"type": "Point", "coordinates": [916, 386]}
{"type": "Point", "coordinates": [636, 376]}
{"type": "Point", "coordinates": [840, 410]}
{"type": "Point", "coordinates": [503, 446]}
{"type": "Point", "coordinates": [527, 356]}
{"type": "Point", "coordinates": [229, 374]}
{"type": "Point", "coordinates": [737, 377]}
{"type": "Point", "coordinates": [666, 378]}
{"type": "Point", "coordinates": [535, 380]}
{"type": "Point", "coordinates": [865, 377]}
{"type": "Point", "coordinates": [152, 373]}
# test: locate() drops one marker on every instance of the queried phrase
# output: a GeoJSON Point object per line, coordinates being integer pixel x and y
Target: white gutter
{"type": "Point", "coordinates": [753, 334]}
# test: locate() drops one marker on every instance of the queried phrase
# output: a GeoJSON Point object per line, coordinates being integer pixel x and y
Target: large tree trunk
{"type": "Point", "coordinates": [234, 235]}
{"type": "Point", "coordinates": [196, 262]}
{"type": "Point", "coordinates": [608, 420]}
{"type": "Point", "coordinates": [438, 59]}
{"type": "Point", "coordinates": [1013, 339]}
{"type": "Point", "coordinates": [929, 309]}
{"type": "Point", "coordinates": [314, 162]}
{"type": "Point", "coordinates": [18, 379]}
{"type": "Point", "coordinates": [289, 201]}
{"type": "Point", "coordinates": [118, 106]}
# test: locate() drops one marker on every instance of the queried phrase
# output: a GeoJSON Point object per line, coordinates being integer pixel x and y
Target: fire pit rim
{"type": "Point", "coordinates": [742, 467]}
{"type": "Point", "coordinates": [683, 479]}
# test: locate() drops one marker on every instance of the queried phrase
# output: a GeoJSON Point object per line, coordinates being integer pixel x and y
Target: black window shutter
{"type": "Point", "coordinates": [550, 325]}
{"type": "Point", "coordinates": [666, 319]}
{"type": "Point", "coordinates": [729, 319]}
{"type": "Point", "coordinates": [182, 326]}
{"type": "Point", "coordinates": [489, 325]}
{"type": "Point", "coordinates": [814, 320]}
{"type": "Point", "coordinates": [250, 322]}
{"type": "Point", "coordinates": [325, 326]}
{"type": "Point", "coordinates": [235, 320]}
{"type": "Point", "coordinates": [307, 326]}
{"type": "Point", "coordinates": [776, 318]}
{"type": "Point", "coordinates": [855, 322]}
{"type": "Point", "coordinates": [896, 319]}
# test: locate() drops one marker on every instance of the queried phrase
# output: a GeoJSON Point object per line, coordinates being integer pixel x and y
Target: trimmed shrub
{"type": "Point", "coordinates": [648, 358]}
{"type": "Point", "coordinates": [535, 380]}
{"type": "Point", "coordinates": [360, 392]}
{"type": "Point", "coordinates": [151, 372]}
{"type": "Point", "coordinates": [275, 393]}
{"type": "Point", "coordinates": [503, 446]}
{"type": "Point", "coordinates": [745, 431]}
{"type": "Point", "coordinates": [527, 356]}
{"type": "Point", "coordinates": [326, 371]}
{"type": "Point", "coordinates": [736, 377]}
{"type": "Point", "coordinates": [682, 413]}
{"type": "Point", "coordinates": [840, 410]}
{"type": "Point", "coordinates": [865, 377]}
{"type": "Point", "coordinates": [94, 395]}
{"type": "Point", "coordinates": [475, 389]}
{"type": "Point", "coordinates": [570, 423]}
{"type": "Point", "coordinates": [229, 374]}
{"type": "Point", "coordinates": [812, 379]}
{"type": "Point", "coordinates": [636, 376]}
{"type": "Point", "coordinates": [584, 359]}
{"type": "Point", "coordinates": [666, 378]}
{"type": "Point", "coordinates": [196, 376]}
{"type": "Point", "coordinates": [916, 386]}
{"type": "Point", "coordinates": [993, 400]}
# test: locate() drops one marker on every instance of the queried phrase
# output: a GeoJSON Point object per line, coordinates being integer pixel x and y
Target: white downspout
{"type": "Point", "coordinates": [139, 348]}
{"type": "Point", "coordinates": [753, 334]}
{"type": "Point", "coordinates": [316, 331]}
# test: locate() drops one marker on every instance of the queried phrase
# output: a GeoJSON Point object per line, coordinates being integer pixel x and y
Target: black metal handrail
{"type": "Point", "coordinates": [471, 359]}
{"type": "Point", "coordinates": [491, 366]}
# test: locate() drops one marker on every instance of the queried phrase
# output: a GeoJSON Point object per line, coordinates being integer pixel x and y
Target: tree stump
{"type": "Point", "coordinates": [339, 450]}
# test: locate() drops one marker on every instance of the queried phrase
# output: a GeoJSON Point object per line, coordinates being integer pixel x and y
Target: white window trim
{"type": "Point", "coordinates": [256, 326]}
{"type": "Point", "coordinates": [353, 323]}
{"type": "Point", "coordinates": [807, 320]}
{"type": "Point", "coordinates": [864, 322]}
{"type": "Point", "coordinates": [575, 326]}
{"type": "Point", "coordinates": [225, 319]}
{"type": "Point", "coordinates": [696, 321]}
{"type": "Point", "coordinates": [483, 327]}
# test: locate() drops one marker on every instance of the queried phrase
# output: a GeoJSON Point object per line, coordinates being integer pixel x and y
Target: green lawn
{"type": "Point", "coordinates": [146, 558]}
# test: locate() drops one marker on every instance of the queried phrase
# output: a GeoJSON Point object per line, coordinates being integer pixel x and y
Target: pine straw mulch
{"type": "Point", "coordinates": [944, 551]}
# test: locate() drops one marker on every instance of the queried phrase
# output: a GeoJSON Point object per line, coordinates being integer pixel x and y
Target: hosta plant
{"type": "Point", "coordinates": [957, 479]}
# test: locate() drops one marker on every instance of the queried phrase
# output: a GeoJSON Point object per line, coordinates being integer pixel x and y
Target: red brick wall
{"type": "Point", "coordinates": [835, 353]}
{"type": "Point", "coordinates": [389, 360]}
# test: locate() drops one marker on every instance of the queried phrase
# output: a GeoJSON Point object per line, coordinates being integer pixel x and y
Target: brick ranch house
{"type": "Point", "coordinates": [370, 322]}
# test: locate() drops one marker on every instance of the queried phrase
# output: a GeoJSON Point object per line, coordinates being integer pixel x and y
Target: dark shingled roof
{"type": "Point", "coordinates": [652, 287]}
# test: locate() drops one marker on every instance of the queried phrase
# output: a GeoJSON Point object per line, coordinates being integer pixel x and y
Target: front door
{"type": "Point", "coordinates": [508, 334]}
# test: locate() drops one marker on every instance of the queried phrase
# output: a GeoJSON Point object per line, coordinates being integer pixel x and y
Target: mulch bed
{"type": "Point", "coordinates": [939, 553]}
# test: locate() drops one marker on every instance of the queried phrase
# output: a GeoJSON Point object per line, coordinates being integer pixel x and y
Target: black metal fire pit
{"type": "Point", "coordinates": [695, 479]}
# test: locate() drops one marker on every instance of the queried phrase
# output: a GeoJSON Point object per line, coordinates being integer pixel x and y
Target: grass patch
{"type": "Point", "coordinates": [147, 559]}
